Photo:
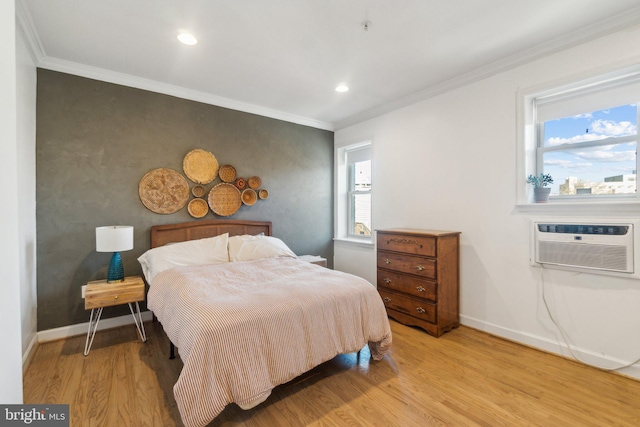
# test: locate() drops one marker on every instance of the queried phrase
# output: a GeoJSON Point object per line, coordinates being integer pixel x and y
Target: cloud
{"type": "Point", "coordinates": [602, 129]}
{"type": "Point", "coordinates": [612, 128]}
{"type": "Point", "coordinates": [583, 116]}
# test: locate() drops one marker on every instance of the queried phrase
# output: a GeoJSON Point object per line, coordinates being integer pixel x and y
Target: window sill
{"type": "Point", "coordinates": [367, 243]}
{"type": "Point", "coordinates": [604, 208]}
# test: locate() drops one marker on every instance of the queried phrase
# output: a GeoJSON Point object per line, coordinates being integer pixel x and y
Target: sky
{"type": "Point", "coordinates": [596, 163]}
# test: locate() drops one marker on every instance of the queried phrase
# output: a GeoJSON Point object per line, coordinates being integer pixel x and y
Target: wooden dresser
{"type": "Point", "coordinates": [418, 277]}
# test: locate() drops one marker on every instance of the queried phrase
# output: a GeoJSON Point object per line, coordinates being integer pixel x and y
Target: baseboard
{"type": "Point", "coordinates": [561, 349]}
{"type": "Point", "coordinates": [27, 357]}
{"type": "Point", "coordinates": [82, 328]}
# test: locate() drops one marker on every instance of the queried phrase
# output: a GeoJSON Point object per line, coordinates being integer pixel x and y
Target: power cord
{"type": "Point", "coordinates": [565, 336]}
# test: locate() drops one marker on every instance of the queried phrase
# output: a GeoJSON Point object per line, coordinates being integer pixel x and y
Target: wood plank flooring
{"type": "Point", "coordinates": [464, 378]}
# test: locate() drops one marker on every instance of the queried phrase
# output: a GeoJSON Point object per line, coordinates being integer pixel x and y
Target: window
{"type": "Point", "coordinates": [585, 136]}
{"type": "Point", "coordinates": [359, 191]}
{"type": "Point", "coordinates": [354, 193]}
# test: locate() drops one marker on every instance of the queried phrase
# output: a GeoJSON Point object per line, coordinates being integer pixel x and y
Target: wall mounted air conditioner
{"type": "Point", "coordinates": [594, 247]}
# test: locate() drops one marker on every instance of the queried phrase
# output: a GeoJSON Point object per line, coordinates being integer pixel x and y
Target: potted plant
{"type": "Point", "coordinates": [540, 189]}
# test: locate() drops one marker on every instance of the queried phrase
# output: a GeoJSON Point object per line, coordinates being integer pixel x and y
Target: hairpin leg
{"type": "Point", "coordinates": [93, 327]}
{"type": "Point", "coordinates": [138, 322]}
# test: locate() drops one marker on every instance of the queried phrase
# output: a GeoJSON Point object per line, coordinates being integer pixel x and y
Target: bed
{"type": "Point", "coordinates": [246, 315]}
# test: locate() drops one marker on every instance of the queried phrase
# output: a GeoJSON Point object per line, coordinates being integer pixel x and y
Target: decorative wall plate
{"type": "Point", "coordinates": [224, 199]}
{"type": "Point", "coordinates": [163, 191]}
{"type": "Point", "coordinates": [200, 166]}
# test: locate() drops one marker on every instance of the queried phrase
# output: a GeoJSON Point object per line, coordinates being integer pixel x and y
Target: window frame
{"type": "Point", "coordinates": [343, 204]}
{"type": "Point", "coordinates": [530, 154]}
{"type": "Point", "coordinates": [351, 193]}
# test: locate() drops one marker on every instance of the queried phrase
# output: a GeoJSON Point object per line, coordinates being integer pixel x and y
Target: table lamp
{"type": "Point", "coordinates": [114, 238]}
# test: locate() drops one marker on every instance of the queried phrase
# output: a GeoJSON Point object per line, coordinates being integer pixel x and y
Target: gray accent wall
{"type": "Point", "coordinates": [96, 140]}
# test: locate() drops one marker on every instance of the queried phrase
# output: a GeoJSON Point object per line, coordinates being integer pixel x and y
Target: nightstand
{"type": "Point", "coordinates": [100, 294]}
{"type": "Point", "coordinates": [314, 259]}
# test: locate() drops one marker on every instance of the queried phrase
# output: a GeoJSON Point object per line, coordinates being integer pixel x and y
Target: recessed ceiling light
{"type": "Point", "coordinates": [342, 88]}
{"type": "Point", "coordinates": [187, 38]}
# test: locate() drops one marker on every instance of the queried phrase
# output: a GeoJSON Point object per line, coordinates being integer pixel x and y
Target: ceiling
{"type": "Point", "coordinates": [283, 58]}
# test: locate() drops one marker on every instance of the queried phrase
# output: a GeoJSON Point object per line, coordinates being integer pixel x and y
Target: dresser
{"type": "Point", "coordinates": [418, 277]}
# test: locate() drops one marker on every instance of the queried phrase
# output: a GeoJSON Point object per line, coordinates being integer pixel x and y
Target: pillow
{"type": "Point", "coordinates": [212, 250]}
{"type": "Point", "coordinates": [247, 248]}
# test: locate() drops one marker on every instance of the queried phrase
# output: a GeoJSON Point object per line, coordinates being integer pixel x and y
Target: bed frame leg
{"type": "Point", "coordinates": [172, 351]}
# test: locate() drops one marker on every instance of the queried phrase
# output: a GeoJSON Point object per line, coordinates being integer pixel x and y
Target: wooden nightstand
{"type": "Point", "coordinates": [100, 294]}
{"type": "Point", "coordinates": [314, 259]}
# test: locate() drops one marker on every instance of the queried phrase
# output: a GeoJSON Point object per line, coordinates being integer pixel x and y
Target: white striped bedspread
{"type": "Point", "coordinates": [242, 328]}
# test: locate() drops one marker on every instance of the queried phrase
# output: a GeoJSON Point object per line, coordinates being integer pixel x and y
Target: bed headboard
{"type": "Point", "coordinates": [163, 234]}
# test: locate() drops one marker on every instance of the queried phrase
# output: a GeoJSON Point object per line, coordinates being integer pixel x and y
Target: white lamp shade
{"type": "Point", "coordinates": [114, 238]}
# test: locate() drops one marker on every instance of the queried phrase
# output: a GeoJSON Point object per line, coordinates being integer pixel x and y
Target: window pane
{"type": "Point", "coordinates": [608, 169]}
{"type": "Point", "coordinates": [361, 214]}
{"type": "Point", "coordinates": [361, 178]}
{"type": "Point", "coordinates": [600, 169]}
{"type": "Point", "coordinates": [593, 126]}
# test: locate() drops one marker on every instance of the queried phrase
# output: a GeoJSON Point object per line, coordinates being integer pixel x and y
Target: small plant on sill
{"type": "Point", "coordinates": [541, 180]}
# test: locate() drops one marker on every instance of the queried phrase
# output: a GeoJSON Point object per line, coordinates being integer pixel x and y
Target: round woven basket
{"type": "Point", "coordinates": [263, 194]}
{"type": "Point", "coordinates": [198, 208]}
{"type": "Point", "coordinates": [254, 182]}
{"type": "Point", "coordinates": [240, 183]}
{"type": "Point", "coordinates": [198, 191]}
{"type": "Point", "coordinates": [200, 166]}
{"type": "Point", "coordinates": [249, 196]}
{"type": "Point", "coordinates": [163, 191]}
{"type": "Point", "coordinates": [227, 173]}
{"type": "Point", "coordinates": [224, 199]}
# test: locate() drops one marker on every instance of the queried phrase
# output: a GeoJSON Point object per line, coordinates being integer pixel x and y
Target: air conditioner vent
{"type": "Point", "coordinates": [606, 257]}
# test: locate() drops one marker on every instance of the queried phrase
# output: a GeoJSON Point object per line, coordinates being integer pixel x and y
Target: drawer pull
{"type": "Point", "coordinates": [116, 297]}
{"type": "Point", "coordinates": [421, 310]}
{"type": "Point", "coordinates": [420, 289]}
{"type": "Point", "coordinates": [420, 267]}
{"type": "Point", "coordinates": [408, 241]}
{"type": "Point", "coordinates": [387, 261]}
{"type": "Point", "coordinates": [386, 299]}
{"type": "Point", "coordinates": [387, 280]}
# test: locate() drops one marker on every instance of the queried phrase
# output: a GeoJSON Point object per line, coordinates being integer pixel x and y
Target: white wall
{"type": "Point", "coordinates": [26, 84]}
{"type": "Point", "coordinates": [449, 163]}
{"type": "Point", "coordinates": [11, 354]}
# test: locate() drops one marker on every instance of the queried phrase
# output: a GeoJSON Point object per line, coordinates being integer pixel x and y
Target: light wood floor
{"type": "Point", "coordinates": [464, 378]}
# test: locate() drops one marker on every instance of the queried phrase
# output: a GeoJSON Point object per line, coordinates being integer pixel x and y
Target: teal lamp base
{"type": "Point", "coordinates": [116, 270]}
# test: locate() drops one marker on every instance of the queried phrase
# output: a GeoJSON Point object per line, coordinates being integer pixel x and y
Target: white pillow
{"type": "Point", "coordinates": [247, 248]}
{"type": "Point", "coordinates": [212, 250]}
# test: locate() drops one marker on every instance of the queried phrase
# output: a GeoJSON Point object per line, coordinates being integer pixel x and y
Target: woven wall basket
{"type": "Point", "coordinates": [200, 166]}
{"type": "Point", "coordinates": [249, 196]}
{"type": "Point", "coordinates": [198, 208]}
{"type": "Point", "coordinates": [227, 173]}
{"type": "Point", "coordinates": [163, 191]}
{"type": "Point", "coordinates": [254, 182]}
{"type": "Point", "coordinates": [224, 199]}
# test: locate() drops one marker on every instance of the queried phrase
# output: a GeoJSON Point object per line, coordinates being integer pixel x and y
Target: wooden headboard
{"type": "Point", "coordinates": [169, 233]}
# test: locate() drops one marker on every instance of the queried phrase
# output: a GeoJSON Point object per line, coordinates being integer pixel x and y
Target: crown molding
{"type": "Point", "coordinates": [28, 28]}
{"type": "Point", "coordinates": [108, 76]}
{"type": "Point", "coordinates": [604, 27]}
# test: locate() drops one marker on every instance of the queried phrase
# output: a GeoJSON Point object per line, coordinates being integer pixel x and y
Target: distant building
{"type": "Point", "coordinates": [619, 184]}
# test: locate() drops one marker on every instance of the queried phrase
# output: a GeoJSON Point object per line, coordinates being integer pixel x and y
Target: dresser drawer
{"type": "Point", "coordinates": [407, 264]}
{"type": "Point", "coordinates": [420, 309]}
{"type": "Point", "coordinates": [415, 286]}
{"type": "Point", "coordinates": [415, 245]}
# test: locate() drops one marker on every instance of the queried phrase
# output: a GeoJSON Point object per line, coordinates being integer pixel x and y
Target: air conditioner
{"type": "Point", "coordinates": [598, 247]}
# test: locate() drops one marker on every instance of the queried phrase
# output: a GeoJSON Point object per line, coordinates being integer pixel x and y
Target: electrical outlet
{"type": "Point", "coordinates": [84, 290]}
